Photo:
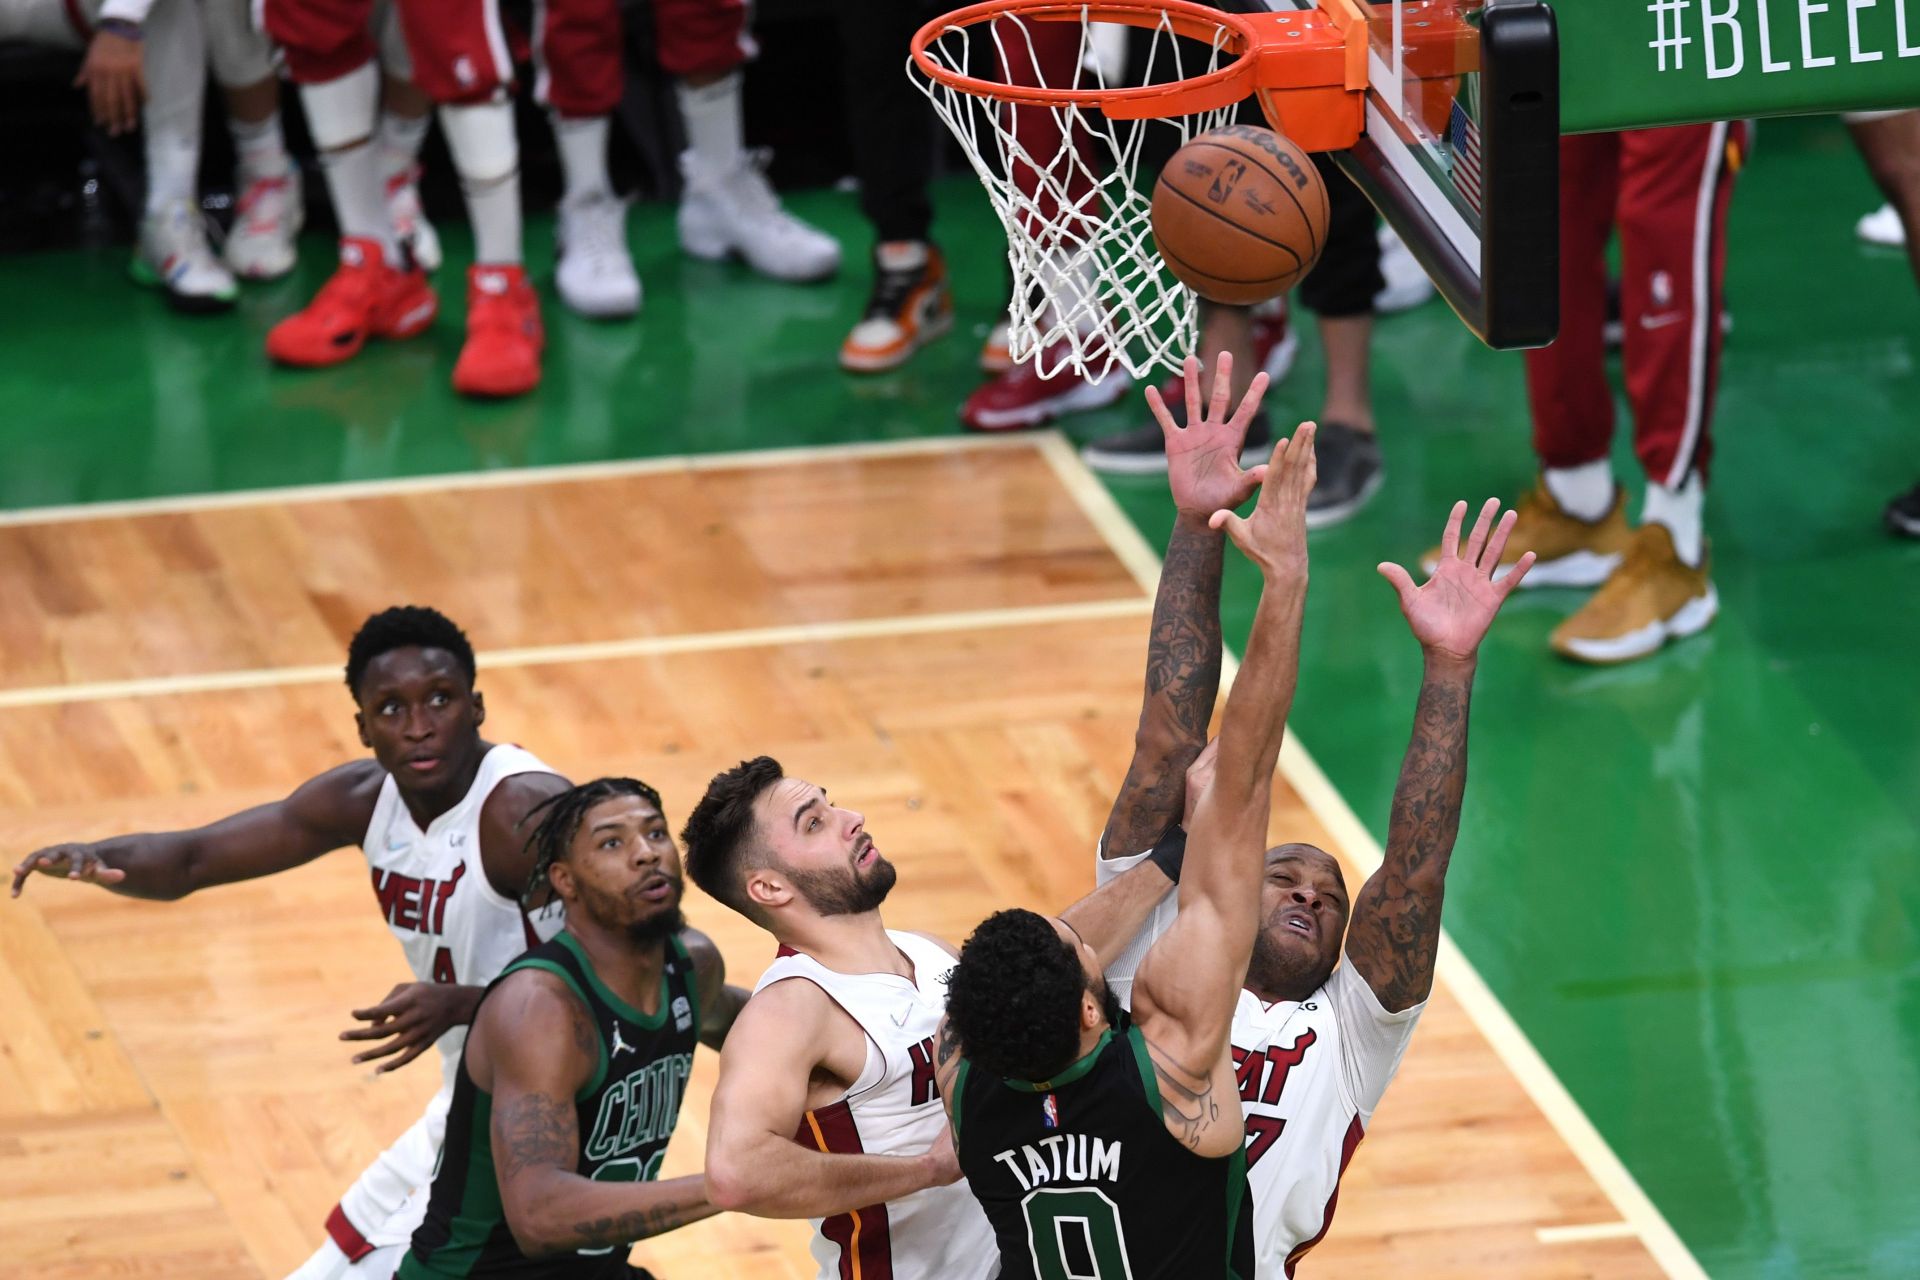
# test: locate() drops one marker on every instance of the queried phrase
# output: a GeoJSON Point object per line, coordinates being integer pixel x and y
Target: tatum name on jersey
{"type": "Point", "coordinates": [1082, 1181]}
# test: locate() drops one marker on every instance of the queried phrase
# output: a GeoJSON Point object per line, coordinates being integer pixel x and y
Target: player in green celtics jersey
{"type": "Point", "coordinates": [1098, 1149]}
{"type": "Point", "coordinates": [573, 1074]}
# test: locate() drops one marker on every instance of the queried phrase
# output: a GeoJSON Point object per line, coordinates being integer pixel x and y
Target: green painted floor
{"type": "Point", "coordinates": [1695, 882]}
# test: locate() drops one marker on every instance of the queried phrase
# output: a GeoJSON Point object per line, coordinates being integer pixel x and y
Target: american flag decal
{"type": "Point", "coordinates": [1463, 136]}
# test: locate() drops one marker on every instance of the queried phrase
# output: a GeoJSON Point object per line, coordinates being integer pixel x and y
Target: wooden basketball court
{"type": "Point", "coordinates": [949, 635]}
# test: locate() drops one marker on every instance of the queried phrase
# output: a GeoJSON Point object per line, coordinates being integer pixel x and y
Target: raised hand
{"type": "Point", "coordinates": [411, 1019]}
{"type": "Point", "coordinates": [69, 862]}
{"type": "Point", "coordinates": [1275, 535]}
{"type": "Point", "coordinates": [1203, 457]}
{"type": "Point", "coordinates": [1449, 614]}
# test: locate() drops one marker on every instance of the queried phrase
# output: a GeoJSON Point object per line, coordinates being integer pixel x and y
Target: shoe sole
{"type": "Point", "coordinates": [620, 310]}
{"type": "Point", "coordinates": [185, 303]}
{"type": "Point", "coordinates": [1084, 397]}
{"type": "Point", "coordinates": [1579, 569]}
{"type": "Point", "coordinates": [1689, 619]}
{"type": "Point", "coordinates": [725, 251]}
{"type": "Point", "coordinates": [880, 364]}
{"type": "Point", "coordinates": [1326, 516]}
{"type": "Point", "coordinates": [1904, 525]}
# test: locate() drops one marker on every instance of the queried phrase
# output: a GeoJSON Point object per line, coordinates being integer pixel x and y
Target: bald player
{"type": "Point", "coordinates": [1315, 1042]}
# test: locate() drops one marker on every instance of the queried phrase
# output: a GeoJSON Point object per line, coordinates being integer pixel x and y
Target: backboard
{"type": "Point", "coordinates": [1460, 152]}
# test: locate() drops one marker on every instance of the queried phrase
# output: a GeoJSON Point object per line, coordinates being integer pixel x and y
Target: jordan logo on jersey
{"type": "Point", "coordinates": [619, 1046]}
{"type": "Point", "coordinates": [410, 903]}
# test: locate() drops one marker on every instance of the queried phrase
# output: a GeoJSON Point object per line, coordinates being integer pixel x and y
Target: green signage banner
{"type": "Point", "coordinates": [1631, 63]}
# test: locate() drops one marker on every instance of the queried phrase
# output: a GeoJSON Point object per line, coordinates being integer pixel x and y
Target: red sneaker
{"type": "Point", "coordinates": [1020, 397]}
{"type": "Point", "coordinates": [504, 336]}
{"type": "Point", "coordinates": [365, 298]}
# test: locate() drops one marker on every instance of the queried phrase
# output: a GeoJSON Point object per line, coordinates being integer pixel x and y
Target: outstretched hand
{"type": "Point", "coordinates": [1275, 535]}
{"type": "Point", "coordinates": [411, 1020]}
{"type": "Point", "coordinates": [69, 862]}
{"type": "Point", "coordinates": [1450, 613]}
{"type": "Point", "coordinates": [1203, 457]}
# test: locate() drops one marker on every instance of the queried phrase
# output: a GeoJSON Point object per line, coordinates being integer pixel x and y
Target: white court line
{"type": "Point", "coordinates": [1642, 1217]}
{"type": "Point", "coordinates": [513, 477]}
{"type": "Point", "coordinates": [604, 651]}
{"type": "Point", "coordinates": [1585, 1231]}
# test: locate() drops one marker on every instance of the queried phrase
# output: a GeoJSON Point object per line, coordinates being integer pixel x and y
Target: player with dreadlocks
{"type": "Point", "coordinates": [573, 1075]}
{"type": "Point", "coordinates": [438, 812]}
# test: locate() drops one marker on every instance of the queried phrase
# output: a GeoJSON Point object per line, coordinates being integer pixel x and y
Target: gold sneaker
{"type": "Point", "coordinates": [1653, 597]}
{"type": "Point", "coordinates": [1568, 551]}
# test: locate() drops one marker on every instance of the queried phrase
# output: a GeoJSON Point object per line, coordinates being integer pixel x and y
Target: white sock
{"type": "Point", "coordinates": [260, 147]}
{"type": "Point", "coordinates": [1681, 511]}
{"type": "Point", "coordinates": [359, 196]}
{"type": "Point", "coordinates": [399, 140]}
{"type": "Point", "coordinates": [583, 156]}
{"type": "Point", "coordinates": [1584, 492]}
{"type": "Point", "coordinates": [487, 154]}
{"type": "Point", "coordinates": [711, 114]}
{"type": "Point", "coordinates": [173, 165]}
{"type": "Point", "coordinates": [327, 1263]}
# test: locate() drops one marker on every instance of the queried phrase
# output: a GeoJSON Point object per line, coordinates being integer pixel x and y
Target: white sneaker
{"type": "Point", "coordinates": [1407, 283]}
{"type": "Point", "coordinates": [266, 226]}
{"type": "Point", "coordinates": [736, 212]}
{"type": "Point", "coordinates": [1882, 227]}
{"type": "Point", "coordinates": [410, 225]}
{"type": "Point", "coordinates": [174, 256]}
{"type": "Point", "coordinates": [595, 274]}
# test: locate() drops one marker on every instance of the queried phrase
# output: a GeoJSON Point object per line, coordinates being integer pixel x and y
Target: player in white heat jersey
{"type": "Point", "coordinates": [1315, 1041]}
{"type": "Point", "coordinates": [437, 812]}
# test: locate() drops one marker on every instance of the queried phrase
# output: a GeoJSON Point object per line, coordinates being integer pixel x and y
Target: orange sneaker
{"type": "Point", "coordinates": [365, 298]}
{"type": "Point", "coordinates": [504, 335]}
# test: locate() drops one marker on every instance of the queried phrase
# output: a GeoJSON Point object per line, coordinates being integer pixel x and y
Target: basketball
{"type": "Point", "coordinates": [1240, 214]}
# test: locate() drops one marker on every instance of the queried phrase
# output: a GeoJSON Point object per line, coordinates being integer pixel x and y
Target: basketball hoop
{"type": "Point", "coordinates": [1061, 160]}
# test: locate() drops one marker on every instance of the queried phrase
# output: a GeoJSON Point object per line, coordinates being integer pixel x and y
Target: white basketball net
{"type": "Point", "coordinates": [1089, 289]}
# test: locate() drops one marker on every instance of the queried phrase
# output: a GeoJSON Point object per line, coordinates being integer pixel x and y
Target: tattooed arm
{"type": "Point", "coordinates": [1183, 646]}
{"type": "Point", "coordinates": [1394, 936]}
{"type": "Point", "coordinates": [1187, 987]}
{"type": "Point", "coordinates": [1182, 681]}
{"type": "Point", "coordinates": [532, 1048]}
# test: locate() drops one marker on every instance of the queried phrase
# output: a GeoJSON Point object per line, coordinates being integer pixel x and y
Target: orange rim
{"type": "Point", "coordinates": [1221, 87]}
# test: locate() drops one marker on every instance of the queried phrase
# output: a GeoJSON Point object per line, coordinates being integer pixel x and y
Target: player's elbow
{"type": "Point", "coordinates": [536, 1230]}
{"type": "Point", "coordinates": [730, 1185]}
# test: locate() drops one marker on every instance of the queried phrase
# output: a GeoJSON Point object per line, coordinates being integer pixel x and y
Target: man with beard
{"type": "Point", "coordinates": [437, 812]}
{"type": "Point", "coordinates": [573, 1074]}
{"type": "Point", "coordinates": [1315, 1046]}
{"type": "Point", "coordinates": [827, 1106]}
{"type": "Point", "coordinates": [1102, 1149]}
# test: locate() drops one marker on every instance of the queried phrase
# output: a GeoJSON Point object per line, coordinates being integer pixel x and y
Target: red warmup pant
{"type": "Point", "coordinates": [1667, 190]}
{"type": "Point", "coordinates": [1044, 54]}
{"type": "Point", "coordinates": [461, 52]}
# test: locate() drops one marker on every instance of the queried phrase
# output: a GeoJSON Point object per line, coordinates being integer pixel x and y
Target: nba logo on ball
{"type": "Point", "coordinates": [1050, 1112]}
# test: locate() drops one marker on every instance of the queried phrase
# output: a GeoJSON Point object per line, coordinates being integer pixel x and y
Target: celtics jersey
{"type": "Point", "coordinates": [626, 1112]}
{"type": "Point", "coordinates": [1082, 1181]}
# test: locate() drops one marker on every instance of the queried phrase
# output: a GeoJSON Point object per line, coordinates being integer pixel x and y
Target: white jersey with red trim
{"type": "Point", "coordinates": [1311, 1072]}
{"type": "Point", "coordinates": [894, 1108]}
{"type": "Point", "coordinates": [434, 893]}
